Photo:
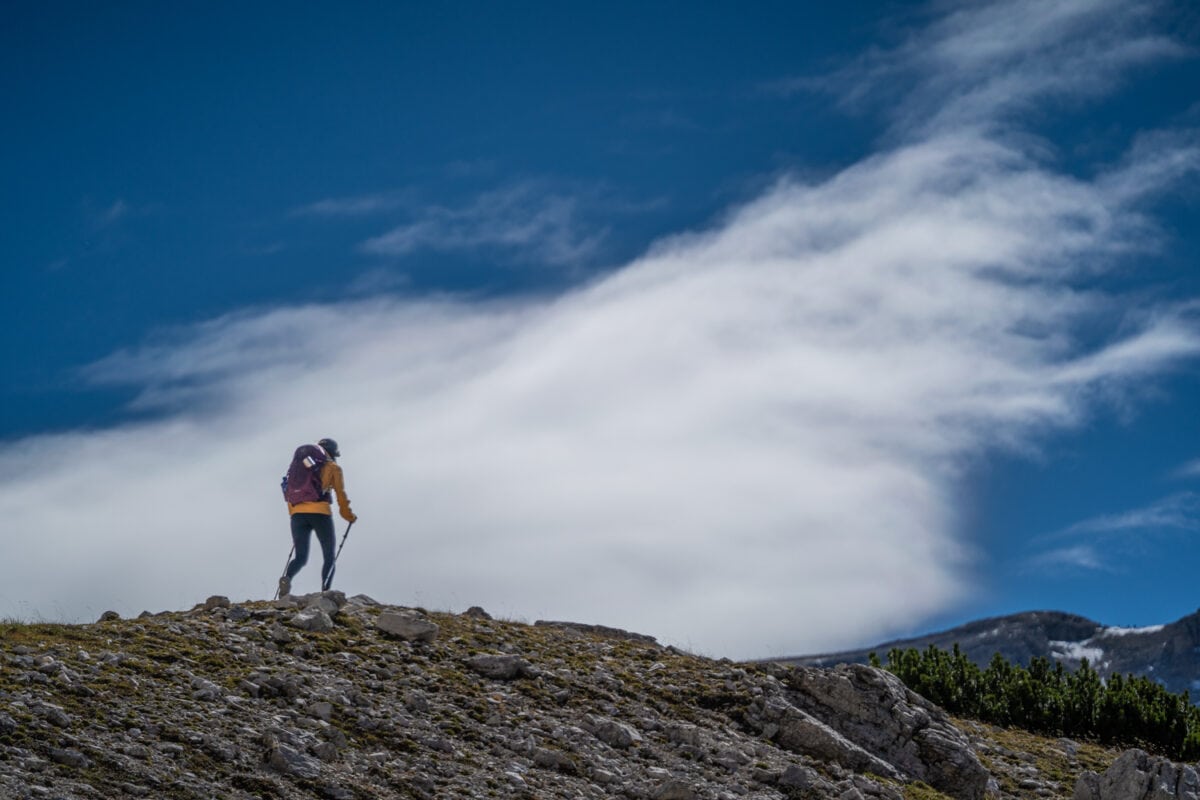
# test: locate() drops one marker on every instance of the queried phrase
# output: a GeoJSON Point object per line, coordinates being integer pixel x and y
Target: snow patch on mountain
{"type": "Point", "coordinates": [1076, 651]}
{"type": "Point", "coordinates": [1126, 631]}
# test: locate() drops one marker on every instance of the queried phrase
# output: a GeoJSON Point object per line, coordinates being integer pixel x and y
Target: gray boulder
{"type": "Point", "coordinates": [1136, 775]}
{"type": "Point", "coordinates": [69, 757]}
{"type": "Point", "coordinates": [289, 761]}
{"type": "Point", "coordinates": [327, 604]}
{"type": "Point", "coordinates": [798, 780]}
{"type": "Point", "coordinates": [613, 733]}
{"type": "Point", "coordinates": [501, 667]}
{"type": "Point", "coordinates": [867, 720]}
{"type": "Point", "coordinates": [675, 790]}
{"type": "Point", "coordinates": [408, 627]}
{"type": "Point", "coordinates": [312, 619]}
{"type": "Point", "coordinates": [801, 732]}
{"type": "Point", "coordinates": [203, 689]}
{"type": "Point", "coordinates": [555, 760]}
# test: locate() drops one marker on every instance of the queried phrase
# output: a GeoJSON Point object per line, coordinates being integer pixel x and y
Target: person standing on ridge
{"type": "Point", "coordinates": [313, 477]}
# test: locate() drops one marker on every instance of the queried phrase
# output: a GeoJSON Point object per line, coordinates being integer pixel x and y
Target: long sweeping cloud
{"type": "Point", "coordinates": [748, 441]}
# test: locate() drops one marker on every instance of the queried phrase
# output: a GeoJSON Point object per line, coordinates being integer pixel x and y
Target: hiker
{"type": "Point", "coordinates": [312, 478]}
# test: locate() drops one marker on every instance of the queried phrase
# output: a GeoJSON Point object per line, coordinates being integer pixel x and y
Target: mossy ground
{"type": "Point", "coordinates": [1015, 751]}
{"type": "Point", "coordinates": [921, 791]}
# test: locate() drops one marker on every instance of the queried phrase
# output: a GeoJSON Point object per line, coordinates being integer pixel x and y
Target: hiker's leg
{"type": "Point", "coordinates": [326, 537]}
{"type": "Point", "coordinates": [301, 536]}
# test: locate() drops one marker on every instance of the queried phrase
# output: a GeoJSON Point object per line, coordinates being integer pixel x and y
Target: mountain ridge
{"type": "Point", "coordinates": [1168, 653]}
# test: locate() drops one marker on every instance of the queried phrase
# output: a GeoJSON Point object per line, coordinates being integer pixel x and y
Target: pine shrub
{"type": "Point", "coordinates": [1046, 698]}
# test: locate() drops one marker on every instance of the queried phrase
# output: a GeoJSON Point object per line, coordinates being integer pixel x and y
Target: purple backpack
{"type": "Point", "coordinates": [302, 484]}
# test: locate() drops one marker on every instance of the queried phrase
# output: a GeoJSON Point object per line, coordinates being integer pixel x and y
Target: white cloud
{"type": "Point", "coordinates": [1109, 538]}
{"type": "Point", "coordinates": [111, 215]}
{"type": "Point", "coordinates": [1177, 512]}
{"type": "Point", "coordinates": [107, 217]}
{"type": "Point", "coordinates": [353, 206]}
{"type": "Point", "coordinates": [746, 441]}
{"type": "Point", "coordinates": [983, 63]}
{"type": "Point", "coordinates": [1077, 557]}
{"type": "Point", "coordinates": [526, 220]}
{"type": "Point", "coordinates": [1189, 470]}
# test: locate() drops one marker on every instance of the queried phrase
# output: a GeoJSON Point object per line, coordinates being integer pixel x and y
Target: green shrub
{"type": "Point", "coordinates": [1127, 711]}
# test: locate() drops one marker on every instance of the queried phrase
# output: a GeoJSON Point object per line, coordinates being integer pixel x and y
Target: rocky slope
{"type": "Point", "coordinates": [1169, 654]}
{"type": "Point", "coordinates": [324, 697]}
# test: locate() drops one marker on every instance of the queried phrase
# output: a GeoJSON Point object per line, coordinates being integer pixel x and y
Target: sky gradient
{"type": "Point", "coordinates": [764, 330]}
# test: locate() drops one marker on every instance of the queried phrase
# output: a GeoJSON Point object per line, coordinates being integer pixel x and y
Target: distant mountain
{"type": "Point", "coordinates": [1168, 654]}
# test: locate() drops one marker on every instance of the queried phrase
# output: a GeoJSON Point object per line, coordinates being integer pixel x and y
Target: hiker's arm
{"type": "Point", "coordinates": [332, 478]}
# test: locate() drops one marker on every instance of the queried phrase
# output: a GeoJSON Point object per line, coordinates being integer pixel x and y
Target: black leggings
{"type": "Point", "coordinates": [302, 526]}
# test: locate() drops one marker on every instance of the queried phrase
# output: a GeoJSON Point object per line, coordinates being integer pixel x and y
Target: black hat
{"type": "Point", "coordinates": [330, 446]}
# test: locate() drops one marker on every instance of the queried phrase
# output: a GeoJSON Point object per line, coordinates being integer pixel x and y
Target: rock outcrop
{"type": "Point", "coordinates": [326, 696]}
{"type": "Point", "coordinates": [867, 720]}
{"type": "Point", "coordinates": [1137, 775]}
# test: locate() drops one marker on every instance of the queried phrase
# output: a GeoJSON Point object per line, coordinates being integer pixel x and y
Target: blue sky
{"type": "Point", "coordinates": [763, 329]}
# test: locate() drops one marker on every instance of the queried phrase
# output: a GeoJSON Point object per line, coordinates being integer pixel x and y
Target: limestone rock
{"type": "Point", "coordinates": [312, 619]}
{"type": "Point", "coordinates": [555, 760]}
{"type": "Point", "coordinates": [501, 667]}
{"type": "Point", "coordinates": [801, 732]}
{"type": "Point", "coordinates": [289, 761]}
{"type": "Point", "coordinates": [326, 751]}
{"type": "Point", "coordinates": [407, 627]}
{"type": "Point", "coordinates": [322, 603]}
{"type": "Point", "coordinates": [1136, 775]}
{"type": "Point", "coordinates": [330, 601]}
{"type": "Point", "coordinates": [804, 779]}
{"type": "Point", "coordinates": [54, 714]}
{"type": "Point", "coordinates": [675, 790]}
{"type": "Point", "coordinates": [68, 757]}
{"type": "Point", "coordinates": [613, 733]}
{"type": "Point", "coordinates": [874, 710]}
{"type": "Point", "coordinates": [220, 749]}
{"type": "Point", "coordinates": [203, 689]}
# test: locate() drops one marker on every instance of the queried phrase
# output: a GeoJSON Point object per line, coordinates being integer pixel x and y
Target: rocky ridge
{"type": "Point", "coordinates": [325, 696]}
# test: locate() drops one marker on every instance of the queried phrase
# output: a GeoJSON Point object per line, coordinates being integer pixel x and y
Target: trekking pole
{"type": "Point", "coordinates": [285, 566]}
{"type": "Point", "coordinates": [333, 569]}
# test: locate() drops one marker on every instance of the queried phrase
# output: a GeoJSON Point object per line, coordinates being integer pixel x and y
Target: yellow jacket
{"type": "Point", "coordinates": [331, 478]}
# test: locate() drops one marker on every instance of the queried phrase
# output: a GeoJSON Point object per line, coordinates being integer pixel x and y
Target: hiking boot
{"type": "Point", "coordinates": [285, 586]}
